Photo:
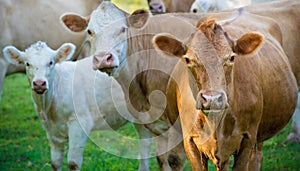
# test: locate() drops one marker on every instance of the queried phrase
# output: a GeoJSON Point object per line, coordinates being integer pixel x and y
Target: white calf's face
{"type": "Point", "coordinates": [39, 60]}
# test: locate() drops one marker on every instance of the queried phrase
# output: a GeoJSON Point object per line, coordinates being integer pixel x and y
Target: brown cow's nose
{"type": "Point", "coordinates": [156, 7]}
{"type": "Point", "coordinates": [211, 100]}
{"type": "Point", "coordinates": [103, 60]}
{"type": "Point", "coordinates": [39, 86]}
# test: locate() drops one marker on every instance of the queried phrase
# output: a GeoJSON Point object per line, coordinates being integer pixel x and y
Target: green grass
{"type": "Point", "coordinates": [23, 143]}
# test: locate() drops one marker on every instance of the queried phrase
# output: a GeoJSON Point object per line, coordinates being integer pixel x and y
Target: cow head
{"type": "Point", "coordinates": [210, 55]}
{"type": "Point", "coordinates": [107, 29]}
{"type": "Point", "coordinates": [156, 6]}
{"type": "Point", "coordinates": [201, 6]}
{"type": "Point", "coordinates": [39, 60]}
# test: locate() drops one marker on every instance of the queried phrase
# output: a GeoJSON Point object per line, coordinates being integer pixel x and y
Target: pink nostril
{"type": "Point", "coordinates": [109, 57]}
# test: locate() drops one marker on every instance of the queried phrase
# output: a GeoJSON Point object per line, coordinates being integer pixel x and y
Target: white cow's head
{"type": "Point", "coordinates": [201, 6]}
{"type": "Point", "coordinates": [107, 29]}
{"type": "Point", "coordinates": [39, 60]}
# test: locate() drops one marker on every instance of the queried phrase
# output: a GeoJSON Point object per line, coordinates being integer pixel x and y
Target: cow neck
{"type": "Point", "coordinates": [128, 68]}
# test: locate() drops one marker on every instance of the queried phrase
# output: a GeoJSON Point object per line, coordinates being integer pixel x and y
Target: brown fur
{"type": "Point", "coordinates": [254, 114]}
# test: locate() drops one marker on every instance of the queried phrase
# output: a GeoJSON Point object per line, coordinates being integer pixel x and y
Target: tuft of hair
{"type": "Point", "coordinates": [207, 26]}
{"type": "Point", "coordinates": [38, 46]}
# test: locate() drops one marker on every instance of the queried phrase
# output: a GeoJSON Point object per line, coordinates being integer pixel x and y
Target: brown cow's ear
{"type": "Point", "coordinates": [74, 22]}
{"type": "Point", "coordinates": [169, 45]}
{"type": "Point", "coordinates": [138, 18]}
{"type": "Point", "coordinates": [13, 55]}
{"type": "Point", "coordinates": [65, 52]}
{"type": "Point", "coordinates": [249, 43]}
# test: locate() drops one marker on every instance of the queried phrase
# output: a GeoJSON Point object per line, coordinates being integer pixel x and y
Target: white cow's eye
{"type": "Point", "coordinates": [27, 64]}
{"type": "Point", "coordinates": [90, 32]}
{"type": "Point", "coordinates": [51, 63]}
{"type": "Point", "coordinates": [123, 29]}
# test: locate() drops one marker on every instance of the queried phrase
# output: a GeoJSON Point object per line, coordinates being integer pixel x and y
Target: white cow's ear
{"type": "Point", "coordinates": [138, 18]}
{"type": "Point", "coordinates": [65, 52]}
{"type": "Point", "coordinates": [13, 55]}
{"type": "Point", "coordinates": [168, 44]}
{"type": "Point", "coordinates": [74, 23]}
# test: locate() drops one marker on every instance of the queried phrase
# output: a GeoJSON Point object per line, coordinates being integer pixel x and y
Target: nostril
{"type": "Point", "coordinates": [44, 83]}
{"type": "Point", "coordinates": [160, 7]}
{"type": "Point", "coordinates": [151, 8]}
{"type": "Point", "coordinates": [203, 98]}
{"type": "Point", "coordinates": [109, 57]}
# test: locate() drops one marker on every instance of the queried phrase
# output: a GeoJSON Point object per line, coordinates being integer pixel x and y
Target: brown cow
{"type": "Point", "coordinates": [25, 22]}
{"type": "Point", "coordinates": [242, 86]}
{"type": "Point", "coordinates": [163, 6]}
{"type": "Point", "coordinates": [287, 16]}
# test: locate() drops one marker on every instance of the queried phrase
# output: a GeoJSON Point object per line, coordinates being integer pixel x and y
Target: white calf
{"type": "Point", "coordinates": [66, 103]}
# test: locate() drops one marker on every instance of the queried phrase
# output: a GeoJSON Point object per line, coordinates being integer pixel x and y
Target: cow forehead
{"type": "Point", "coordinates": [106, 15]}
{"type": "Point", "coordinates": [203, 48]}
{"type": "Point", "coordinates": [208, 57]}
{"type": "Point", "coordinates": [39, 53]}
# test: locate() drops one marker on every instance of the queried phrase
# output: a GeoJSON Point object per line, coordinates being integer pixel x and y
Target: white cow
{"type": "Point", "coordinates": [25, 22]}
{"type": "Point", "coordinates": [219, 5]}
{"type": "Point", "coordinates": [66, 103]}
{"type": "Point", "coordinates": [294, 135]}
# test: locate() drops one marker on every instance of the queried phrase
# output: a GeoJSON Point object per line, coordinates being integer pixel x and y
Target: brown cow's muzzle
{"type": "Point", "coordinates": [211, 101]}
{"type": "Point", "coordinates": [104, 62]}
{"type": "Point", "coordinates": [39, 86]}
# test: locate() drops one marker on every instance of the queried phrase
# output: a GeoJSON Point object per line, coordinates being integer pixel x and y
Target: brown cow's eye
{"type": "Point", "coordinates": [187, 60]}
{"type": "Point", "coordinates": [232, 58]}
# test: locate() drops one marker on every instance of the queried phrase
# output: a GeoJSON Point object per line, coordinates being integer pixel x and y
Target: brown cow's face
{"type": "Point", "coordinates": [210, 55]}
{"type": "Point", "coordinates": [210, 60]}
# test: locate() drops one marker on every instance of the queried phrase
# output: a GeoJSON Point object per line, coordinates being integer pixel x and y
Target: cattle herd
{"type": "Point", "coordinates": [204, 79]}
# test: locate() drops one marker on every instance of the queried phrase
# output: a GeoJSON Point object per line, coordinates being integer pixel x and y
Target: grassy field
{"type": "Point", "coordinates": [24, 146]}
{"type": "Point", "coordinates": [23, 143]}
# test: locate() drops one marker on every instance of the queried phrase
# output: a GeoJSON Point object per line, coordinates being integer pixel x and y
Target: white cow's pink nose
{"type": "Point", "coordinates": [103, 61]}
{"type": "Point", "coordinates": [39, 86]}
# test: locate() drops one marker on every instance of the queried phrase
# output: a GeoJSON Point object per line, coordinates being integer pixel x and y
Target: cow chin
{"type": "Point", "coordinates": [39, 91]}
{"type": "Point", "coordinates": [212, 111]}
{"type": "Point", "coordinates": [108, 71]}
